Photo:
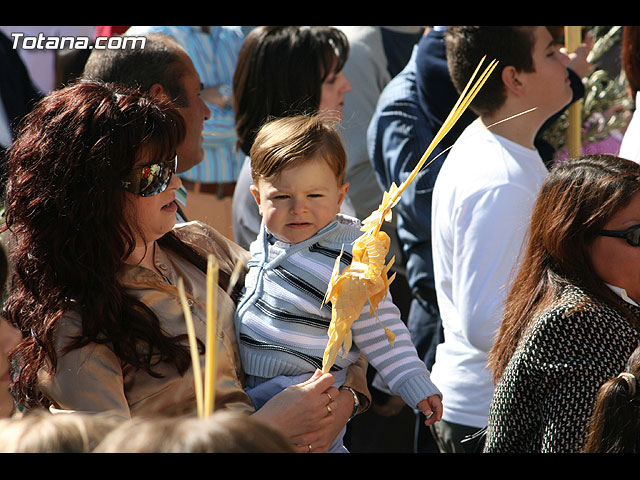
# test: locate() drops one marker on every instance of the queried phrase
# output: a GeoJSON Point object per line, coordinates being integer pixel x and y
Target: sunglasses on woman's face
{"type": "Point", "coordinates": [631, 235]}
{"type": "Point", "coordinates": [150, 179]}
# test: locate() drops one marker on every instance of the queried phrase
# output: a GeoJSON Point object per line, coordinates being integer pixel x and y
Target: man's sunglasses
{"type": "Point", "coordinates": [631, 235]}
{"type": "Point", "coordinates": [151, 179]}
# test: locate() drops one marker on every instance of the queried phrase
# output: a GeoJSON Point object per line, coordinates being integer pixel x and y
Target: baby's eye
{"type": "Point", "coordinates": [315, 195]}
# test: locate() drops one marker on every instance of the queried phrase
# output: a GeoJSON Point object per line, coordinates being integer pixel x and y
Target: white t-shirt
{"type": "Point", "coordinates": [482, 202]}
{"type": "Point", "coordinates": [630, 147]}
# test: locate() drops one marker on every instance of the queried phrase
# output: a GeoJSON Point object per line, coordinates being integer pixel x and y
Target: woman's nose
{"type": "Point", "coordinates": [175, 182]}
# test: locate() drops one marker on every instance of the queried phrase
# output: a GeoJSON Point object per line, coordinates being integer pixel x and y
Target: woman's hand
{"type": "Point", "coordinates": [311, 413]}
{"type": "Point", "coordinates": [320, 440]}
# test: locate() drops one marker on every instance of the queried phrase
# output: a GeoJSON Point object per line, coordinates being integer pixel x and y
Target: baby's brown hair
{"type": "Point", "coordinates": [289, 141]}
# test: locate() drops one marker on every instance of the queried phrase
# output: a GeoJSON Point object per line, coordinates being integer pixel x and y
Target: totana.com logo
{"type": "Point", "coordinates": [44, 42]}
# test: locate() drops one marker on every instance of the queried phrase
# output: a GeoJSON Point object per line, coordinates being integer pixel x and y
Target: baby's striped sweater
{"type": "Point", "coordinates": [282, 325]}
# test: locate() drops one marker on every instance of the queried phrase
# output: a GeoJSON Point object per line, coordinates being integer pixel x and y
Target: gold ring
{"type": "Point", "coordinates": [309, 448]}
{"type": "Point", "coordinates": [328, 410]}
{"type": "Point", "coordinates": [329, 395]}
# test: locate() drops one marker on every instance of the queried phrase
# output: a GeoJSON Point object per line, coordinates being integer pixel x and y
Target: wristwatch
{"type": "Point", "coordinates": [356, 402]}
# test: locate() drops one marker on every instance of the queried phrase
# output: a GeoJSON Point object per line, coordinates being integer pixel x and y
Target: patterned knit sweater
{"type": "Point", "coordinates": [545, 398]}
{"type": "Point", "coordinates": [282, 327]}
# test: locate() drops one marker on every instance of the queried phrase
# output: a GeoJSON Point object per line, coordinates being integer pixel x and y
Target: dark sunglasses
{"type": "Point", "coordinates": [151, 179]}
{"type": "Point", "coordinates": [631, 235]}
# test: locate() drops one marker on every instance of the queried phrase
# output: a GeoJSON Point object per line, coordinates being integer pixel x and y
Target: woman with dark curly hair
{"type": "Point", "coordinates": [97, 257]}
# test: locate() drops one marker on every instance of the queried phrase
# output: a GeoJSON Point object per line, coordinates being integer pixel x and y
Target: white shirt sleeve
{"type": "Point", "coordinates": [490, 229]}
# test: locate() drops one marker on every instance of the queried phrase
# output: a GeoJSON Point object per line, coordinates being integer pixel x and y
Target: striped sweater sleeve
{"type": "Point", "coordinates": [399, 365]}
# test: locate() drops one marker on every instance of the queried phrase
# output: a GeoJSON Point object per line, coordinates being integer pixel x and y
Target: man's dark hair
{"type": "Point", "coordinates": [511, 46]}
{"type": "Point", "coordinates": [161, 61]}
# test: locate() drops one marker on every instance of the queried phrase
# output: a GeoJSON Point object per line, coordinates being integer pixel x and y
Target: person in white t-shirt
{"type": "Point", "coordinates": [630, 146]}
{"type": "Point", "coordinates": [482, 201]}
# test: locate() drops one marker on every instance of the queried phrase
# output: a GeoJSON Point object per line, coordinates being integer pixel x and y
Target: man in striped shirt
{"type": "Point", "coordinates": [210, 183]}
{"type": "Point", "coordinates": [161, 69]}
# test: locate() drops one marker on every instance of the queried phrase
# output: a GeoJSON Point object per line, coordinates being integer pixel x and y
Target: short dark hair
{"type": "Point", "coordinates": [511, 46]}
{"type": "Point", "coordinates": [160, 61]}
{"type": "Point", "coordinates": [279, 73]}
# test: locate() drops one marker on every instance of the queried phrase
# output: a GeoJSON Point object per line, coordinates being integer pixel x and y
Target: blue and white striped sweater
{"type": "Point", "coordinates": [282, 325]}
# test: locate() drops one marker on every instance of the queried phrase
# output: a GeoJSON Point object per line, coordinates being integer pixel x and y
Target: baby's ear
{"type": "Point", "coordinates": [343, 189]}
{"type": "Point", "coordinates": [256, 195]}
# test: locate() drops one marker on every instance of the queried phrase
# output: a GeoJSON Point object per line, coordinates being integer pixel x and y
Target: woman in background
{"type": "Point", "coordinates": [281, 72]}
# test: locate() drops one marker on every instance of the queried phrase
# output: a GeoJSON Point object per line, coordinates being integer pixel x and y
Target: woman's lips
{"type": "Point", "coordinates": [171, 207]}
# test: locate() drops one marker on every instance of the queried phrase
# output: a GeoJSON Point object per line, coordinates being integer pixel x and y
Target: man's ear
{"type": "Point", "coordinates": [513, 80]}
{"type": "Point", "coordinates": [158, 91]}
{"type": "Point", "coordinates": [256, 195]}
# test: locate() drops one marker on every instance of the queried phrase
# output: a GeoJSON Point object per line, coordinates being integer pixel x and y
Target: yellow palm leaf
{"type": "Point", "coordinates": [366, 278]}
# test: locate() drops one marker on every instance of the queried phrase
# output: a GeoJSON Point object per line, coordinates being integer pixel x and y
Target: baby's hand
{"type": "Point", "coordinates": [432, 409]}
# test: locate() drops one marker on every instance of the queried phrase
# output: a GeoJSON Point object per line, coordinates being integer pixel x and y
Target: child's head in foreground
{"type": "Point", "coordinates": [298, 167]}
